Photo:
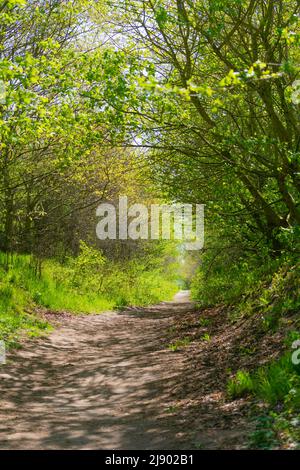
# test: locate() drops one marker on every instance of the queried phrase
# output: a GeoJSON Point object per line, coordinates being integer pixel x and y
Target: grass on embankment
{"type": "Point", "coordinates": [267, 292]}
{"type": "Point", "coordinates": [277, 384]}
{"type": "Point", "coordinates": [86, 284]}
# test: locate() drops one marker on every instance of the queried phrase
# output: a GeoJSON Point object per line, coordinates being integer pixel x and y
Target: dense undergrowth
{"type": "Point", "coordinates": [270, 291]}
{"type": "Point", "coordinates": [88, 283]}
{"type": "Point", "coordinates": [277, 385]}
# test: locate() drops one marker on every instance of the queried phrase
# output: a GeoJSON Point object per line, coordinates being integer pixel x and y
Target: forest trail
{"type": "Point", "coordinates": [103, 381]}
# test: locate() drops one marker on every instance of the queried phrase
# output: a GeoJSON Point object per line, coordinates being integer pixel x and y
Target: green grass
{"type": "Point", "coordinates": [203, 322]}
{"type": "Point", "coordinates": [15, 299]}
{"type": "Point", "coordinates": [13, 324]}
{"type": "Point", "coordinates": [87, 284]}
{"type": "Point", "coordinates": [272, 383]}
{"type": "Point", "coordinates": [180, 343]}
{"type": "Point", "coordinates": [240, 386]}
{"type": "Point", "coordinates": [269, 291]}
{"type": "Point", "coordinates": [271, 287]}
{"type": "Point", "coordinates": [278, 386]}
{"type": "Point", "coordinates": [206, 337]}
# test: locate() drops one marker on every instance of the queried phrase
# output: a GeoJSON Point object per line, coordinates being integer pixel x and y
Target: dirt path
{"type": "Point", "coordinates": [98, 382]}
{"type": "Point", "coordinates": [109, 381]}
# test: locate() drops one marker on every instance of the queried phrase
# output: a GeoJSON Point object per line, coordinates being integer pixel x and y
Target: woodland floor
{"type": "Point", "coordinates": [110, 381]}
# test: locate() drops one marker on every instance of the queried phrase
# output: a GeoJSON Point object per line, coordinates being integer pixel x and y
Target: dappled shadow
{"type": "Point", "coordinates": [109, 382]}
{"type": "Point", "coordinates": [100, 381]}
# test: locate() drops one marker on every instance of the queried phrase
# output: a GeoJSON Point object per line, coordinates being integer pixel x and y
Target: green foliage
{"type": "Point", "coordinates": [275, 383]}
{"type": "Point", "coordinates": [240, 385]}
{"type": "Point", "coordinates": [14, 300]}
{"type": "Point", "coordinates": [206, 337]}
{"type": "Point", "coordinates": [89, 283]}
{"type": "Point", "coordinates": [264, 436]}
{"type": "Point", "coordinates": [135, 281]}
{"type": "Point", "coordinates": [275, 298]}
{"type": "Point", "coordinates": [270, 289]}
{"type": "Point", "coordinates": [204, 322]}
{"type": "Point", "coordinates": [230, 272]}
{"type": "Point", "coordinates": [15, 324]}
{"type": "Point", "coordinates": [178, 344]}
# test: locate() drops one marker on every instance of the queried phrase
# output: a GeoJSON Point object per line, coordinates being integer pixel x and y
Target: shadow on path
{"type": "Point", "coordinates": [109, 381]}
{"type": "Point", "coordinates": [98, 382]}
